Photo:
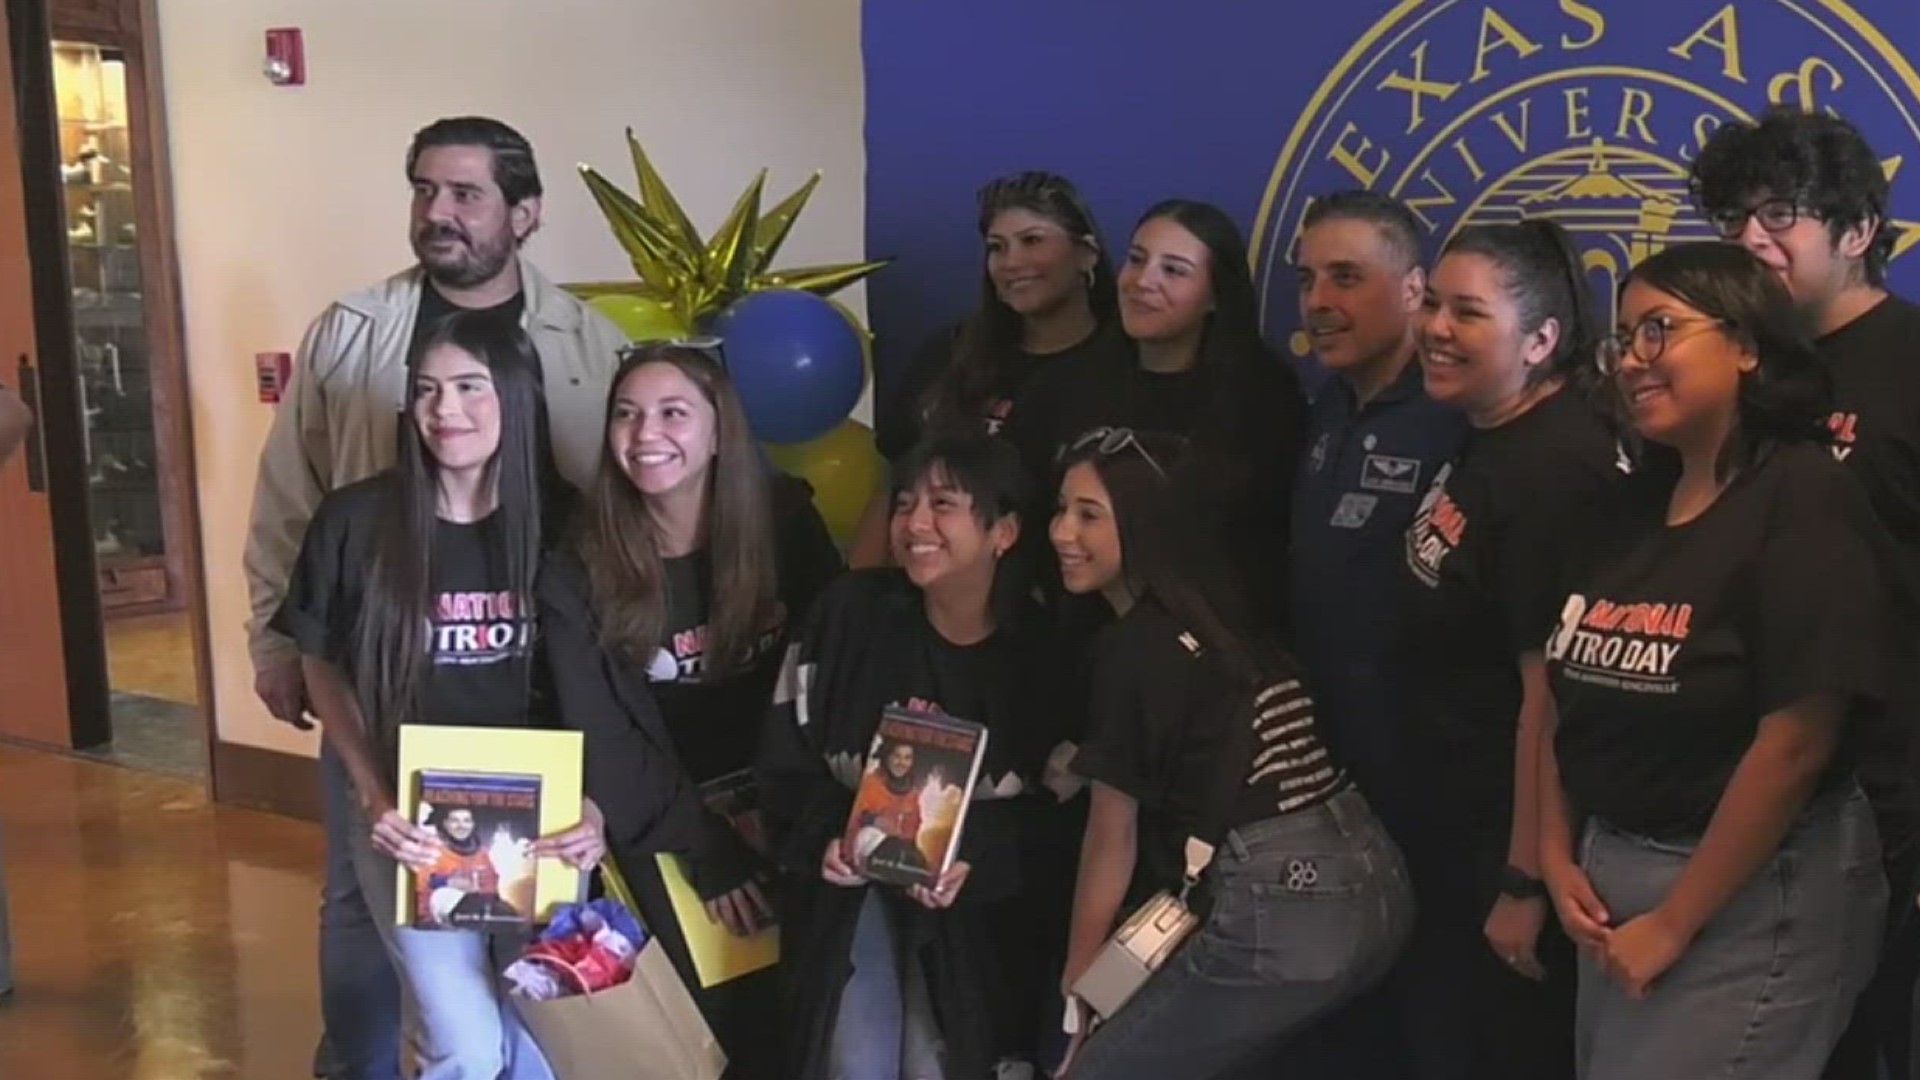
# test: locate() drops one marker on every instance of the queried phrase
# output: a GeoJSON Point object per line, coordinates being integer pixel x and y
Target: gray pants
{"type": "Point", "coordinates": [1767, 987]}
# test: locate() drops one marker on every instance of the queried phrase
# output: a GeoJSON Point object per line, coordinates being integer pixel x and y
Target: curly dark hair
{"type": "Point", "coordinates": [1821, 162]}
{"type": "Point", "coordinates": [1787, 396]}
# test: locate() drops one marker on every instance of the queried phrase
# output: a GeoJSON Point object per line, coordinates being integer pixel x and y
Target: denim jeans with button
{"type": "Point", "coordinates": [1767, 986]}
{"type": "Point", "coordinates": [1308, 910]}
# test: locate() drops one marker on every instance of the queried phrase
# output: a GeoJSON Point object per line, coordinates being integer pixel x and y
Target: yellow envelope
{"type": "Point", "coordinates": [718, 956]}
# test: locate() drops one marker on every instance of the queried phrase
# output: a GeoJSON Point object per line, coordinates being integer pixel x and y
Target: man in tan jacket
{"type": "Point", "coordinates": [476, 200]}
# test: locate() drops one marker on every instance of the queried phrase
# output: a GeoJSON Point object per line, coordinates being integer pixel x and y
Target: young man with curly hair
{"type": "Point", "coordinates": [1806, 194]}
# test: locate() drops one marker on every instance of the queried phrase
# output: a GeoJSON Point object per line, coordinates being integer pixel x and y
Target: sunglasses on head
{"type": "Point", "coordinates": [708, 346]}
{"type": "Point", "coordinates": [1108, 441]}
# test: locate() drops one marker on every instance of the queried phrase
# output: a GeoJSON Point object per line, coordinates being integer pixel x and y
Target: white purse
{"type": "Point", "coordinates": [1143, 943]}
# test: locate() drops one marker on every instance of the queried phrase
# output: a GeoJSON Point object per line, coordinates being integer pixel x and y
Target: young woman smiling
{"type": "Point", "coordinates": [1046, 297]}
{"type": "Point", "coordinates": [1197, 367]}
{"type": "Point", "coordinates": [889, 982]}
{"type": "Point", "coordinates": [1723, 642]}
{"type": "Point", "coordinates": [1202, 728]}
{"type": "Point", "coordinates": [372, 605]}
{"type": "Point", "coordinates": [1505, 320]}
{"type": "Point", "coordinates": [695, 564]}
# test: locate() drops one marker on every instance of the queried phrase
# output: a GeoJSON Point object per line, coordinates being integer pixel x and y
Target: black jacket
{"type": "Point", "coordinates": [867, 646]}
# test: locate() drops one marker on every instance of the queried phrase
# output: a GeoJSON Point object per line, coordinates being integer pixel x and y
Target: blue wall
{"type": "Point", "coordinates": [1222, 100]}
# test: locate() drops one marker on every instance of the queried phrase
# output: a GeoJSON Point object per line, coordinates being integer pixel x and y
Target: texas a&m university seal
{"type": "Point", "coordinates": [1488, 112]}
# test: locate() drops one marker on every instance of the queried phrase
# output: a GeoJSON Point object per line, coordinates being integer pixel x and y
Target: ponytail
{"type": "Point", "coordinates": [1541, 271]}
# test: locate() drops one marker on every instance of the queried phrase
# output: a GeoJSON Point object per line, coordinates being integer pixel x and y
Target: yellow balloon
{"type": "Point", "coordinates": [844, 468]}
{"type": "Point", "coordinates": [641, 318]}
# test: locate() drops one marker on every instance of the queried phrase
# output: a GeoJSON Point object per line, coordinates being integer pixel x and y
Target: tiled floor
{"type": "Point", "coordinates": [152, 655]}
{"type": "Point", "coordinates": [155, 735]}
{"type": "Point", "coordinates": [157, 724]}
{"type": "Point", "coordinates": [155, 936]}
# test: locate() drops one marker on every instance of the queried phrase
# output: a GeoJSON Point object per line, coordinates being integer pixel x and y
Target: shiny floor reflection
{"type": "Point", "coordinates": [155, 936]}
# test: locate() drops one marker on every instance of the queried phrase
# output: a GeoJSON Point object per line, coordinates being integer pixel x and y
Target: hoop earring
{"type": "Point", "coordinates": [1089, 275]}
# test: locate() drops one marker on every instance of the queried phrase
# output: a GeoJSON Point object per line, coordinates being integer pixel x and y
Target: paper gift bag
{"type": "Point", "coordinates": [647, 1028]}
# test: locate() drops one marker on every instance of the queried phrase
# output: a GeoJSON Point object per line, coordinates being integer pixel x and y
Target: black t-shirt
{"type": "Point", "coordinates": [1251, 415]}
{"type": "Point", "coordinates": [901, 421]}
{"type": "Point", "coordinates": [1248, 421]}
{"type": "Point", "coordinates": [479, 638]}
{"type": "Point", "coordinates": [1873, 363]}
{"type": "Point", "coordinates": [715, 724]}
{"type": "Point", "coordinates": [868, 646]}
{"type": "Point", "coordinates": [1483, 563]}
{"type": "Point", "coordinates": [435, 307]}
{"type": "Point", "coordinates": [1675, 640]}
{"type": "Point", "coordinates": [1167, 729]}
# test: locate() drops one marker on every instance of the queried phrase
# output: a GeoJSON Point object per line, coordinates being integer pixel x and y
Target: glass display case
{"type": "Point", "coordinates": [109, 317]}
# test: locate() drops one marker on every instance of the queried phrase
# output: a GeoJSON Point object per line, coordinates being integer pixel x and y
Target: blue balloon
{"type": "Point", "coordinates": [796, 361]}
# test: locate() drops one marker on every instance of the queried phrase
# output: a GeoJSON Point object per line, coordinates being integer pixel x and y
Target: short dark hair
{"type": "Point", "coordinates": [1387, 214]}
{"type": "Point", "coordinates": [1541, 271]}
{"type": "Point", "coordinates": [1821, 162]}
{"type": "Point", "coordinates": [1786, 397]}
{"type": "Point", "coordinates": [986, 468]}
{"type": "Point", "coordinates": [991, 471]}
{"type": "Point", "coordinates": [514, 170]}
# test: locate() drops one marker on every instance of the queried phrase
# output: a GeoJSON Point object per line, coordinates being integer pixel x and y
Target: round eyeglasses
{"type": "Point", "coordinates": [1646, 341]}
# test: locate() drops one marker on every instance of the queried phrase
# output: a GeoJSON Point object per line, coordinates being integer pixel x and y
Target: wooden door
{"type": "Point", "coordinates": [52, 665]}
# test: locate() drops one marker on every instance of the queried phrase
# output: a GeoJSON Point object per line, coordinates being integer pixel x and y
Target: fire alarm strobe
{"type": "Point", "coordinates": [286, 63]}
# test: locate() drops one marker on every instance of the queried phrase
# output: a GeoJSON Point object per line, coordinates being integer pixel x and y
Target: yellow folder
{"type": "Point", "coordinates": [718, 956]}
{"type": "Point", "coordinates": [553, 756]}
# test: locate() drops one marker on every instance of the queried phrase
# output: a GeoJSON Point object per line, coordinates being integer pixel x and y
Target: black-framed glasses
{"type": "Point", "coordinates": [1107, 441]}
{"type": "Point", "coordinates": [1647, 340]}
{"type": "Point", "coordinates": [1774, 215]}
{"type": "Point", "coordinates": [708, 346]}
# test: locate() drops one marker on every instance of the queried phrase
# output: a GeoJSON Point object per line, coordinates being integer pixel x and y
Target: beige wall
{"type": "Point", "coordinates": [287, 197]}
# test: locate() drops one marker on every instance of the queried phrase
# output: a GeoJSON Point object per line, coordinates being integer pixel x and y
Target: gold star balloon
{"type": "Point", "coordinates": [694, 277]}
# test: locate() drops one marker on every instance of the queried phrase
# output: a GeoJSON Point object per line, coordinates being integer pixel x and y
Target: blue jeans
{"type": "Point", "coordinates": [1767, 986]}
{"type": "Point", "coordinates": [359, 993]}
{"type": "Point", "coordinates": [885, 1028]}
{"type": "Point", "coordinates": [467, 1026]}
{"type": "Point", "coordinates": [1309, 909]}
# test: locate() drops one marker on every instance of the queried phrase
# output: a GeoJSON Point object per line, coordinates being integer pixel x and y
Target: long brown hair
{"type": "Point", "coordinates": [621, 542]}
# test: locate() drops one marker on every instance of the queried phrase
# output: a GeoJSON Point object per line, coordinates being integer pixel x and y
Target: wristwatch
{"type": "Point", "coordinates": [1519, 884]}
